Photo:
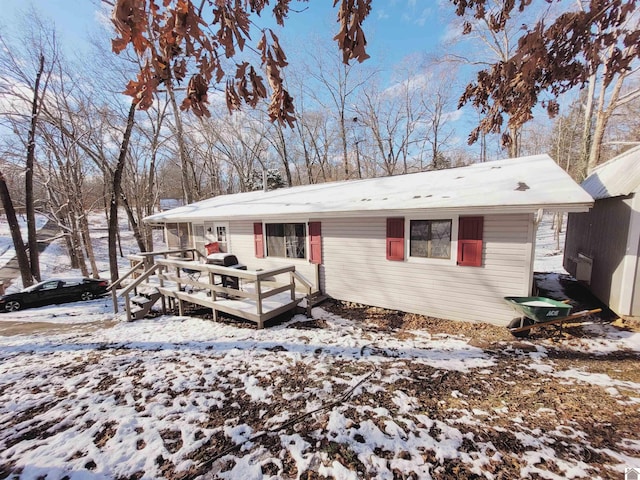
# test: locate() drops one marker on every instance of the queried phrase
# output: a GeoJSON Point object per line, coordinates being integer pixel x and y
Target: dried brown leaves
{"type": "Point", "coordinates": [551, 59]}
{"type": "Point", "coordinates": [173, 38]}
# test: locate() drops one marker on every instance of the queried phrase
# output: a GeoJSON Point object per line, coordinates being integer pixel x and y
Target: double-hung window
{"type": "Point", "coordinates": [430, 238]}
{"type": "Point", "coordinates": [286, 240]}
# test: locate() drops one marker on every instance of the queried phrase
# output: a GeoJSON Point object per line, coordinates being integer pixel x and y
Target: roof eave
{"type": "Point", "coordinates": [466, 210]}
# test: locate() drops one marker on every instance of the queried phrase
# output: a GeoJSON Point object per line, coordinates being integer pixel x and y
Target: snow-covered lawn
{"type": "Point", "coordinates": [7, 252]}
{"type": "Point", "coordinates": [184, 397]}
{"type": "Point", "coordinates": [179, 397]}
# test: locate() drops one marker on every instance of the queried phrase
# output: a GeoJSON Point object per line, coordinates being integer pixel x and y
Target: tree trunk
{"type": "Point", "coordinates": [182, 150]}
{"type": "Point", "coordinates": [602, 118]}
{"type": "Point", "coordinates": [88, 246]}
{"type": "Point", "coordinates": [28, 179]}
{"type": "Point", "coordinates": [137, 234]}
{"type": "Point", "coordinates": [587, 128]}
{"type": "Point", "coordinates": [514, 146]}
{"type": "Point", "coordinates": [284, 154]}
{"type": "Point", "coordinates": [63, 222]}
{"type": "Point", "coordinates": [16, 236]}
{"type": "Point", "coordinates": [76, 241]}
{"type": "Point", "coordinates": [345, 156]}
{"type": "Point", "coordinates": [115, 194]}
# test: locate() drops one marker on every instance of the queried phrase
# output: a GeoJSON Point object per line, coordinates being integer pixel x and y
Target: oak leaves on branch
{"type": "Point", "coordinates": [552, 58]}
{"type": "Point", "coordinates": [174, 37]}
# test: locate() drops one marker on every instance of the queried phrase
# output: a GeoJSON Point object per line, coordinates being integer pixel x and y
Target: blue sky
{"type": "Point", "coordinates": [395, 28]}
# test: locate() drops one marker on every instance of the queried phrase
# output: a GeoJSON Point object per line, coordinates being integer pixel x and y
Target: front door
{"type": "Point", "coordinates": [217, 232]}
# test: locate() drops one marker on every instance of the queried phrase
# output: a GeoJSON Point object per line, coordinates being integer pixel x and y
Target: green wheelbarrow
{"type": "Point", "coordinates": [541, 311]}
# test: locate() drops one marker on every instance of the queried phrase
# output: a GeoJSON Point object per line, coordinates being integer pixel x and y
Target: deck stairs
{"type": "Point", "coordinates": [161, 276]}
{"type": "Point", "coordinates": [142, 303]}
{"type": "Point", "coordinates": [315, 298]}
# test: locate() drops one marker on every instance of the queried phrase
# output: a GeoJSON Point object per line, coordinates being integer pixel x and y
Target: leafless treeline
{"type": "Point", "coordinates": [67, 123]}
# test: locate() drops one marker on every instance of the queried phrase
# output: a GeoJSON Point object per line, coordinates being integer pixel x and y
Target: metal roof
{"type": "Point", "coordinates": [523, 184]}
{"type": "Point", "coordinates": [617, 177]}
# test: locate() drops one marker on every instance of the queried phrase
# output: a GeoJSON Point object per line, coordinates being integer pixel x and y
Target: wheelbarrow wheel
{"type": "Point", "coordinates": [519, 322]}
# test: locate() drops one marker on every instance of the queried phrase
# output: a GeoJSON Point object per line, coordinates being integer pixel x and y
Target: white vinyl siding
{"type": "Point", "coordinates": [356, 270]}
{"type": "Point", "coordinates": [243, 247]}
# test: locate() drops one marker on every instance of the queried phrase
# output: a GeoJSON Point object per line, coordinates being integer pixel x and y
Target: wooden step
{"type": "Point", "coordinates": [142, 305]}
{"type": "Point", "coordinates": [316, 298]}
{"type": "Point", "coordinates": [141, 300]}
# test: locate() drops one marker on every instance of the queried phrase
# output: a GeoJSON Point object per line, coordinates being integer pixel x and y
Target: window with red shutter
{"type": "Point", "coordinates": [395, 239]}
{"type": "Point", "coordinates": [315, 243]}
{"type": "Point", "coordinates": [258, 240]}
{"type": "Point", "coordinates": [470, 232]}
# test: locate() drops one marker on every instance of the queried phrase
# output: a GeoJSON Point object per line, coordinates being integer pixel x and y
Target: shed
{"type": "Point", "coordinates": [603, 245]}
{"type": "Point", "coordinates": [447, 243]}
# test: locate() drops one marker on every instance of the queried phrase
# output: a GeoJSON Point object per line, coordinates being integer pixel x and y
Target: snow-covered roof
{"type": "Point", "coordinates": [618, 176]}
{"type": "Point", "coordinates": [515, 185]}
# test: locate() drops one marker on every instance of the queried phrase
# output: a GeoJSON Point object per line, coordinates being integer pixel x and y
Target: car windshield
{"type": "Point", "coordinates": [37, 286]}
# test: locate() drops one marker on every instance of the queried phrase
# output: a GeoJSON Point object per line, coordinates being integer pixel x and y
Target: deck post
{"type": "Point", "coordinates": [259, 299]}
{"type": "Point", "coordinates": [114, 297]}
{"type": "Point", "coordinates": [127, 307]}
{"type": "Point", "coordinates": [259, 303]}
{"type": "Point", "coordinates": [212, 279]}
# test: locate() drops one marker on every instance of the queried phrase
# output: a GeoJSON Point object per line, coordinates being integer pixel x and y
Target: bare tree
{"type": "Point", "coordinates": [578, 46]}
{"type": "Point", "coordinates": [27, 70]}
{"type": "Point", "coordinates": [339, 86]}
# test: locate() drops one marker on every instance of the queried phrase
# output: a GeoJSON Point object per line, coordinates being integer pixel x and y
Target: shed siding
{"type": "Point", "coordinates": [356, 270]}
{"type": "Point", "coordinates": [635, 301]}
{"type": "Point", "coordinates": [601, 234]}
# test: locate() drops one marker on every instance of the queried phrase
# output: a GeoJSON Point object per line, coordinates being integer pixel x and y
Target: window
{"type": "Point", "coordinates": [198, 237]}
{"type": "Point", "coordinates": [178, 236]}
{"type": "Point", "coordinates": [287, 240]}
{"type": "Point", "coordinates": [430, 238]}
{"type": "Point", "coordinates": [50, 285]}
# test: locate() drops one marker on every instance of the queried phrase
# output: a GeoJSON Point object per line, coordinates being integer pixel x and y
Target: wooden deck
{"type": "Point", "coordinates": [261, 296]}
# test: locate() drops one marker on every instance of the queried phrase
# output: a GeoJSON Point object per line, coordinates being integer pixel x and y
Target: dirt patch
{"type": "Point", "coordinates": [385, 320]}
{"type": "Point", "coordinates": [9, 328]}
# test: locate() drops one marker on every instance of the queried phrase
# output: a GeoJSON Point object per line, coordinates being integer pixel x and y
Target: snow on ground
{"type": "Point", "coordinates": [181, 397]}
{"type": "Point", "coordinates": [54, 261]}
{"type": "Point", "coordinates": [549, 248]}
{"type": "Point", "coordinates": [7, 252]}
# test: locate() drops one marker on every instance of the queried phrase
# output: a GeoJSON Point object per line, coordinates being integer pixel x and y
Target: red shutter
{"type": "Point", "coordinates": [470, 230]}
{"type": "Point", "coordinates": [315, 243]}
{"type": "Point", "coordinates": [258, 240]}
{"type": "Point", "coordinates": [395, 239]}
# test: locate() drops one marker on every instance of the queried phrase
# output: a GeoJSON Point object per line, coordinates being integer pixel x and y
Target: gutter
{"type": "Point", "coordinates": [463, 210]}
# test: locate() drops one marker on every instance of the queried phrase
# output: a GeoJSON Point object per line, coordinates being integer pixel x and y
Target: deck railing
{"type": "Point", "coordinates": [141, 263]}
{"type": "Point", "coordinates": [181, 276]}
{"type": "Point", "coordinates": [263, 294]}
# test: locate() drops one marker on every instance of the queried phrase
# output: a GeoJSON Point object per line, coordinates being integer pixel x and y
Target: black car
{"type": "Point", "coordinates": [54, 291]}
